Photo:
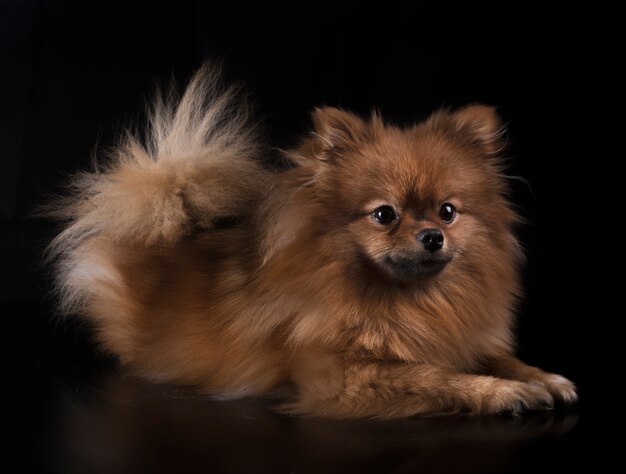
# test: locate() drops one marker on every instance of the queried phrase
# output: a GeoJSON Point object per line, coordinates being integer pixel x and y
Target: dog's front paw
{"type": "Point", "coordinates": [514, 398]}
{"type": "Point", "coordinates": [562, 389]}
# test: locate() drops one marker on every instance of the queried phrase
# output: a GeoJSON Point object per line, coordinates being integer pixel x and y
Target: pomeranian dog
{"type": "Point", "coordinates": [375, 277]}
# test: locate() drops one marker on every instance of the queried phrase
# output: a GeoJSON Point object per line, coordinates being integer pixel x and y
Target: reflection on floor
{"type": "Point", "coordinates": [127, 425]}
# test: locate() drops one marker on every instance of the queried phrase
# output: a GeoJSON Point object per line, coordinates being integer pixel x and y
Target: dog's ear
{"type": "Point", "coordinates": [475, 124]}
{"type": "Point", "coordinates": [336, 131]}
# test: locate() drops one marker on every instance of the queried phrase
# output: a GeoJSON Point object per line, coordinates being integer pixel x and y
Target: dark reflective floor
{"type": "Point", "coordinates": [73, 411]}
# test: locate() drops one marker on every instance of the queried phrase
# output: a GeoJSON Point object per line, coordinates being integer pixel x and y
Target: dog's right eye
{"type": "Point", "coordinates": [385, 215]}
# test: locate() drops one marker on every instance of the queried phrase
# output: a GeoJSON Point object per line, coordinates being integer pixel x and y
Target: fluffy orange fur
{"type": "Point", "coordinates": [197, 265]}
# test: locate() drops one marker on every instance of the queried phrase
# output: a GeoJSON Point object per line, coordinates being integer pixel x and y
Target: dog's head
{"type": "Point", "coordinates": [409, 202]}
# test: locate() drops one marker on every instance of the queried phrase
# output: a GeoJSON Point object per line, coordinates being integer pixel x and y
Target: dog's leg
{"type": "Point", "coordinates": [343, 388]}
{"type": "Point", "coordinates": [509, 367]}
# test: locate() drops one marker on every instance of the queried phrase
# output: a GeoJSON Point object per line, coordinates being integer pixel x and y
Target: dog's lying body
{"type": "Point", "coordinates": [376, 277]}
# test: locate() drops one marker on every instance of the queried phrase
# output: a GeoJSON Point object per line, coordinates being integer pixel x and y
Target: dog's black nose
{"type": "Point", "coordinates": [431, 238]}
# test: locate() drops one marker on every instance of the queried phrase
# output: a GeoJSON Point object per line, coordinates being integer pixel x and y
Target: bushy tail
{"type": "Point", "coordinates": [196, 164]}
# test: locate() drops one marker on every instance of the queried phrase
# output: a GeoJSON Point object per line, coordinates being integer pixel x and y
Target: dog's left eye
{"type": "Point", "coordinates": [385, 214]}
{"type": "Point", "coordinates": [447, 212]}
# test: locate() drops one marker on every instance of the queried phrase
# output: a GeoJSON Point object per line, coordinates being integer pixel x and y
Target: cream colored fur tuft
{"type": "Point", "coordinates": [196, 164]}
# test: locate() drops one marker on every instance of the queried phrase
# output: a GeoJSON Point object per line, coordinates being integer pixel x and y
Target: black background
{"type": "Point", "coordinates": [75, 74]}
